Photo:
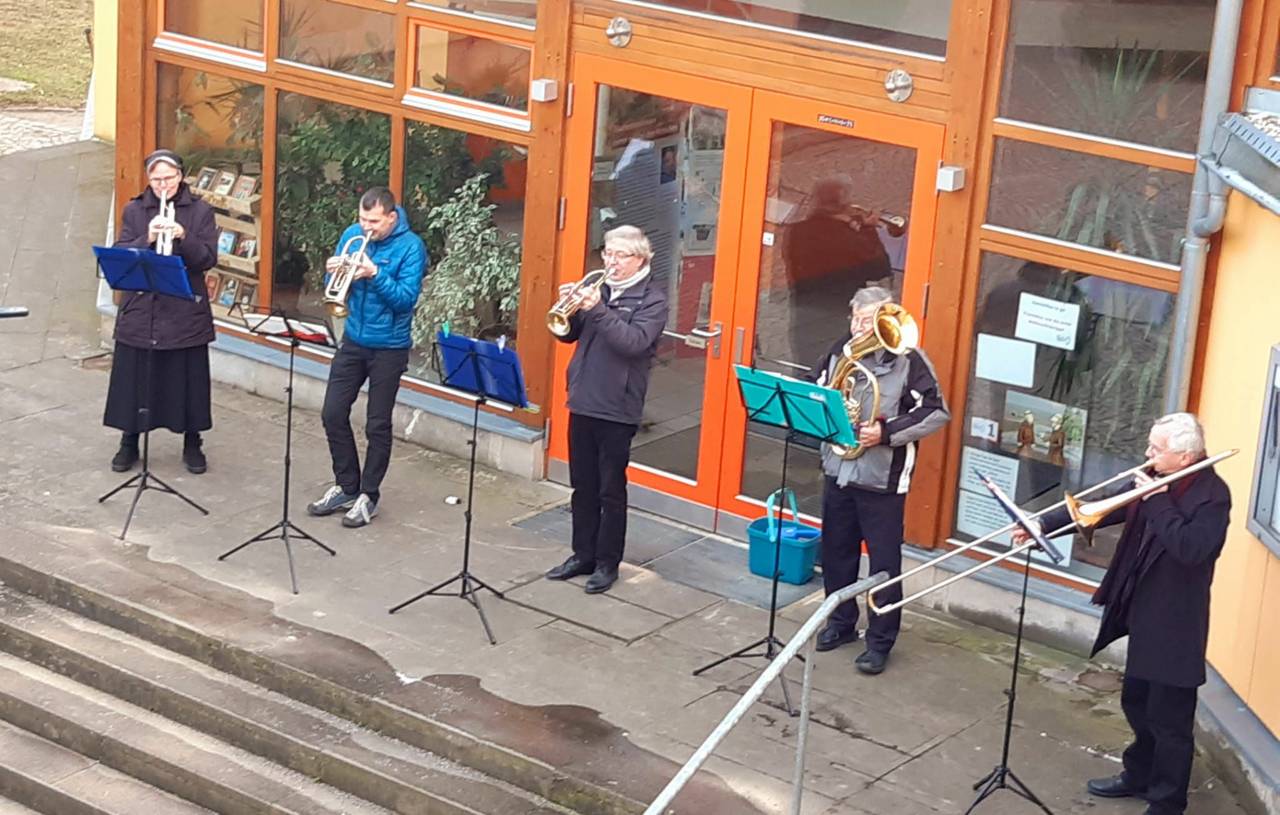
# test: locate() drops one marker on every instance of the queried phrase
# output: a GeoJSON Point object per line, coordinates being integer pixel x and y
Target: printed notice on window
{"type": "Point", "coordinates": [980, 515]}
{"type": "Point", "coordinates": [1047, 321]}
{"type": "Point", "coordinates": [1001, 359]}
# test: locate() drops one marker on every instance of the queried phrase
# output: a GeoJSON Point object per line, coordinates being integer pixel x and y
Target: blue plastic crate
{"type": "Point", "coordinates": [799, 545]}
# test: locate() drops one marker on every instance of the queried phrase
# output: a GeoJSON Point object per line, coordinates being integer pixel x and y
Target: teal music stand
{"type": "Point", "coordinates": [803, 408]}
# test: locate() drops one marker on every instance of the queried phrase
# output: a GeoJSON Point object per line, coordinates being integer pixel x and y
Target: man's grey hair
{"type": "Point", "coordinates": [630, 239]}
{"type": "Point", "coordinates": [1183, 432]}
{"type": "Point", "coordinates": [871, 296]}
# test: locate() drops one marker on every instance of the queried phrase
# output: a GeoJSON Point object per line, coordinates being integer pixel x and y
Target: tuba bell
{"type": "Point", "coordinates": [894, 330]}
{"type": "Point", "coordinates": [571, 301]}
{"type": "Point", "coordinates": [339, 285]}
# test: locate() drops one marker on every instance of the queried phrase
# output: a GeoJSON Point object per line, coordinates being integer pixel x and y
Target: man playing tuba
{"type": "Point", "coordinates": [864, 496]}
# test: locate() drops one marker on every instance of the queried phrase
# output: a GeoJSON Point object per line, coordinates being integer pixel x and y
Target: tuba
{"type": "Point", "coordinates": [339, 285]}
{"type": "Point", "coordinates": [568, 305]}
{"type": "Point", "coordinates": [894, 330]}
{"type": "Point", "coordinates": [164, 236]}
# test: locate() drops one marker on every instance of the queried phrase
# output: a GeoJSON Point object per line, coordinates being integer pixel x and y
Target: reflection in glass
{"type": "Point", "coordinates": [1131, 70]}
{"type": "Point", "coordinates": [1100, 202]}
{"type": "Point", "coordinates": [327, 155]}
{"type": "Point", "coordinates": [339, 38]}
{"type": "Point", "coordinates": [473, 67]}
{"type": "Point", "coordinates": [1095, 389]}
{"type": "Point", "coordinates": [657, 166]}
{"type": "Point", "coordinates": [230, 22]}
{"type": "Point", "coordinates": [465, 195]}
{"type": "Point", "coordinates": [919, 26]}
{"type": "Point", "coordinates": [839, 213]}
{"type": "Point", "coordinates": [522, 12]}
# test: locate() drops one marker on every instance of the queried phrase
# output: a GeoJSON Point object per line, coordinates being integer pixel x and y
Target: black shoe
{"type": "Point", "coordinates": [1114, 786]}
{"type": "Point", "coordinates": [831, 637]}
{"type": "Point", "coordinates": [602, 578]}
{"type": "Point", "coordinates": [124, 459]}
{"type": "Point", "coordinates": [871, 662]}
{"type": "Point", "coordinates": [193, 456]}
{"type": "Point", "coordinates": [570, 568]}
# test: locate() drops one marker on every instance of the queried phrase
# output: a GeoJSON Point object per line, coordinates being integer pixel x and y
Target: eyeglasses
{"type": "Point", "coordinates": [614, 253]}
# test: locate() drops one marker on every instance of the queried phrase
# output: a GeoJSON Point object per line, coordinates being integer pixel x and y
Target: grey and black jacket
{"type": "Point", "coordinates": [609, 372]}
{"type": "Point", "coordinates": [911, 407]}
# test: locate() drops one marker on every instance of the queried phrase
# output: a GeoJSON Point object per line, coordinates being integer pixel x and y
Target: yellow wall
{"type": "Point", "coordinates": [1243, 327]}
{"type": "Point", "coordinates": [104, 68]}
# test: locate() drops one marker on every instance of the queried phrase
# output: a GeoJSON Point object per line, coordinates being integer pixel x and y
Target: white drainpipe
{"type": "Point", "coordinates": [1208, 205]}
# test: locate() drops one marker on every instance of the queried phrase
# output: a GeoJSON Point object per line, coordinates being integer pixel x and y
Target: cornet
{"type": "Point", "coordinates": [164, 233]}
{"type": "Point", "coordinates": [568, 305]}
{"type": "Point", "coordinates": [339, 286]}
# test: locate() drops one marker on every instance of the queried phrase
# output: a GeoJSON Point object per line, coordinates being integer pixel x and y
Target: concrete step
{"type": "Point", "coordinates": [35, 772]}
{"type": "Point", "coordinates": [283, 731]}
{"type": "Point", "coordinates": [164, 754]}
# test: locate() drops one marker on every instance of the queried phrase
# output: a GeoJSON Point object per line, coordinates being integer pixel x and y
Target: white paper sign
{"type": "Point", "coordinates": [1046, 321]}
{"type": "Point", "coordinates": [1004, 360]}
{"type": "Point", "coordinates": [985, 429]}
{"type": "Point", "coordinates": [980, 515]}
{"type": "Point", "coordinates": [1002, 470]}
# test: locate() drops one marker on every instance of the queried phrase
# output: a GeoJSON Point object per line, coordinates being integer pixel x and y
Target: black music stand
{"type": "Point", "coordinates": [1001, 776]}
{"type": "Point", "coordinates": [273, 322]}
{"type": "Point", "coordinates": [142, 270]}
{"type": "Point", "coordinates": [799, 408]}
{"type": "Point", "coordinates": [489, 372]}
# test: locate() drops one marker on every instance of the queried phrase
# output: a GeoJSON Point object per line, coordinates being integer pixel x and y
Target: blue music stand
{"type": "Point", "coordinates": [800, 408]}
{"type": "Point", "coordinates": [143, 271]}
{"type": "Point", "coordinates": [488, 372]}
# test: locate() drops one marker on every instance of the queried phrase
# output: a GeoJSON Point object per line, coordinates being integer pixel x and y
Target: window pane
{"type": "Point", "coordinates": [919, 26]}
{"type": "Point", "coordinates": [473, 67]}
{"type": "Point", "coordinates": [1096, 384]}
{"type": "Point", "coordinates": [215, 124]}
{"type": "Point", "coordinates": [1093, 201]}
{"type": "Point", "coordinates": [327, 155]}
{"type": "Point", "coordinates": [339, 38]}
{"type": "Point", "coordinates": [1124, 69]}
{"type": "Point", "coordinates": [465, 195]}
{"type": "Point", "coordinates": [230, 22]}
{"type": "Point", "coordinates": [512, 11]}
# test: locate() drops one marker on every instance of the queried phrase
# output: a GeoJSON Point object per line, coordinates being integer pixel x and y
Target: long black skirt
{"type": "Point", "coordinates": [180, 393]}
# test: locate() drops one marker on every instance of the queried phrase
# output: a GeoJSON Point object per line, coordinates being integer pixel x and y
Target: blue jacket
{"type": "Point", "coordinates": [381, 307]}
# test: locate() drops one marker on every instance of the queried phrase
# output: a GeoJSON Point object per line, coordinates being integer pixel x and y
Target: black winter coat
{"type": "Point", "coordinates": [179, 323]}
{"type": "Point", "coordinates": [1157, 588]}
{"type": "Point", "coordinates": [609, 373]}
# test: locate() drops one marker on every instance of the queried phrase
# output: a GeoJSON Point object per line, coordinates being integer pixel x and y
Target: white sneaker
{"type": "Point", "coordinates": [334, 499]}
{"type": "Point", "coordinates": [361, 513]}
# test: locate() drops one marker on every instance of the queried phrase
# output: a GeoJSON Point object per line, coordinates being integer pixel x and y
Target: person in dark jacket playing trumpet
{"type": "Point", "coordinates": [616, 329]}
{"type": "Point", "coordinates": [177, 330]}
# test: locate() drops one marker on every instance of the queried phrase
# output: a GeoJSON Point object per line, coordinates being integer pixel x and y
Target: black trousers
{"type": "Point", "coordinates": [849, 516]}
{"type": "Point", "coordinates": [1159, 759]}
{"type": "Point", "coordinates": [599, 451]}
{"type": "Point", "coordinates": [352, 366]}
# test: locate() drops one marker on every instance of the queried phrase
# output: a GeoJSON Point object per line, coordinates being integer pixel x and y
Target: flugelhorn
{"type": "Point", "coordinates": [571, 301]}
{"type": "Point", "coordinates": [1094, 512]}
{"type": "Point", "coordinates": [352, 258]}
{"type": "Point", "coordinates": [168, 223]}
{"type": "Point", "coordinates": [892, 329]}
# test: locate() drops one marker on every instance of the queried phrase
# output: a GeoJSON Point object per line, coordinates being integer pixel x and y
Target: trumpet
{"type": "Point", "coordinates": [1085, 517]}
{"type": "Point", "coordinates": [339, 286]}
{"type": "Point", "coordinates": [895, 221]}
{"type": "Point", "coordinates": [568, 305]}
{"type": "Point", "coordinates": [164, 233]}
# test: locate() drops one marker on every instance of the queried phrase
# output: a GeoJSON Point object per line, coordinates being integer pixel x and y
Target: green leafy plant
{"type": "Point", "coordinates": [476, 286]}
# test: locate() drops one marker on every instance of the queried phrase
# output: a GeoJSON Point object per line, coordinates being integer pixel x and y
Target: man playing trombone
{"type": "Point", "coordinates": [1156, 591]}
{"type": "Point", "coordinates": [863, 498]}
{"type": "Point", "coordinates": [375, 347]}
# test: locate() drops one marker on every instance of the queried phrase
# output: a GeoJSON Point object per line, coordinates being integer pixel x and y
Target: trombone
{"type": "Point", "coordinates": [1085, 515]}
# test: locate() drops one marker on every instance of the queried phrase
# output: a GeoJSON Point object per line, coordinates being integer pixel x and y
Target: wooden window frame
{"type": "Point", "coordinates": [461, 106]}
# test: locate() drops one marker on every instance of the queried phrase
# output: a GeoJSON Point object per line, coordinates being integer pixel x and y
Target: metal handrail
{"type": "Point", "coordinates": [803, 637]}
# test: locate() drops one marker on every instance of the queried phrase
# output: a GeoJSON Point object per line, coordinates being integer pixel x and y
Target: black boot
{"type": "Point", "coordinates": [192, 455]}
{"type": "Point", "coordinates": [127, 455]}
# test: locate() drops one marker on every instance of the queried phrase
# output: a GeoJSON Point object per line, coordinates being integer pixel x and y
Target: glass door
{"type": "Point", "coordinates": [836, 200]}
{"type": "Point", "coordinates": [663, 152]}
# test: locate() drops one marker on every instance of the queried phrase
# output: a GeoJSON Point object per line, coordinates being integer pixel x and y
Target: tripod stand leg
{"type": "Point", "coordinates": [120, 487]}
{"type": "Point", "coordinates": [1025, 791]}
{"type": "Point", "coordinates": [288, 551]}
{"type": "Point", "coordinates": [128, 519]}
{"type": "Point", "coordinates": [433, 590]}
{"type": "Point", "coordinates": [299, 533]}
{"type": "Point", "coordinates": [741, 652]}
{"type": "Point", "coordinates": [469, 594]}
{"type": "Point", "coordinates": [166, 488]}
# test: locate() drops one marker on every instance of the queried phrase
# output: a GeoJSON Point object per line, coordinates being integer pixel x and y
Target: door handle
{"type": "Point", "coordinates": [699, 337]}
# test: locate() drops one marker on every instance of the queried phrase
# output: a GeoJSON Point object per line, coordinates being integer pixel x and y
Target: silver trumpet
{"type": "Point", "coordinates": [339, 285]}
{"type": "Point", "coordinates": [168, 224]}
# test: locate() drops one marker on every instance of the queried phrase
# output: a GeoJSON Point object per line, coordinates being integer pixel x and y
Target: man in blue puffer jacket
{"type": "Point", "coordinates": [375, 347]}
